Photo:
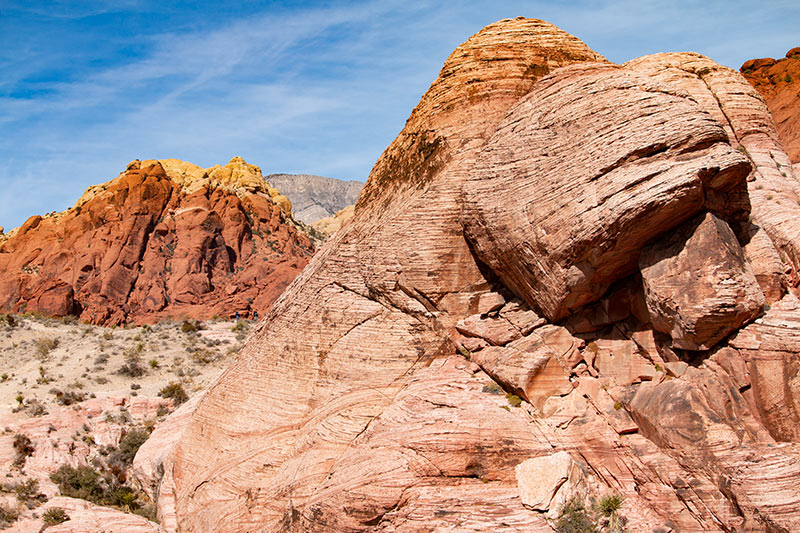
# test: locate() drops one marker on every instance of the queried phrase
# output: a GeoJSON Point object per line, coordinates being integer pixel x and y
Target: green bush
{"type": "Point", "coordinates": [28, 492]}
{"type": "Point", "coordinates": [575, 518]}
{"type": "Point", "coordinates": [54, 515]}
{"type": "Point", "coordinates": [82, 482]}
{"type": "Point", "coordinates": [129, 444]}
{"type": "Point", "coordinates": [176, 392]}
{"type": "Point", "coordinates": [514, 400]}
{"type": "Point", "coordinates": [101, 487]}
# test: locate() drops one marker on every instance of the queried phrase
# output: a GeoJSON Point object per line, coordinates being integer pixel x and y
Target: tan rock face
{"type": "Point", "coordinates": [699, 286]}
{"type": "Point", "coordinates": [160, 240]}
{"type": "Point", "coordinates": [330, 225]}
{"type": "Point", "coordinates": [407, 372]}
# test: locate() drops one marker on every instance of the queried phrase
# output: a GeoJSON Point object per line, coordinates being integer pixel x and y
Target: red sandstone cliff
{"type": "Point", "coordinates": [164, 239]}
{"type": "Point", "coordinates": [615, 245]}
{"type": "Point", "coordinates": [778, 81]}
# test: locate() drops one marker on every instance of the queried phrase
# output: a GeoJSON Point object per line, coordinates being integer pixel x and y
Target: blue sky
{"type": "Point", "coordinates": [299, 87]}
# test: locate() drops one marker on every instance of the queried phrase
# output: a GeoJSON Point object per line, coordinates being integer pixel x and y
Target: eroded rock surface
{"type": "Point", "coordinates": [416, 363]}
{"type": "Point", "coordinates": [698, 285]}
{"type": "Point", "coordinates": [165, 238]}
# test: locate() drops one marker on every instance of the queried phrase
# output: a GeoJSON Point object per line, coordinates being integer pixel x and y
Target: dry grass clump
{"type": "Point", "coordinates": [43, 346]}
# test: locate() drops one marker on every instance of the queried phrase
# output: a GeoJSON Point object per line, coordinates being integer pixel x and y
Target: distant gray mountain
{"type": "Point", "coordinates": [315, 197]}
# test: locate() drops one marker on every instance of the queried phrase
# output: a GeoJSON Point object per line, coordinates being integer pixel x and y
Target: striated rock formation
{"type": "Point", "coordinates": [316, 197]}
{"type": "Point", "coordinates": [165, 238]}
{"type": "Point", "coordinates": [778, 81]}
{"type": "Point", "coordinates": [503, 305]}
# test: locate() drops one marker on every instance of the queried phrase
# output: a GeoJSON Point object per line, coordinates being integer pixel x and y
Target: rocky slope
{"type": "Point", "coordinates": [778, 81]}
{"type": "Point", "coordinates": [564, 279]}
{"type": "Point", "coordinates": [315, 197]}
{"type": "Point", "coordinates": [165, 238]}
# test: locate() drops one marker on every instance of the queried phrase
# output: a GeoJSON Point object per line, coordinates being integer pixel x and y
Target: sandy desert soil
{"type": "Point", "coordinates": [79, 393]}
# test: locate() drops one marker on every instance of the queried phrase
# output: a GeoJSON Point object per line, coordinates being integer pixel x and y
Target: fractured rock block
{"type": "Point", "coordinates": [541, 478]}
{"type": "Point", "coordinates": [698, 285]}
{"type": "Point", "coordinates": [579, 183]}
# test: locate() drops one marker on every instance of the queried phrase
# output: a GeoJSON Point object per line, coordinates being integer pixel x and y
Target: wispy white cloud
{"type": "Point", "coordinates": [319, 90]}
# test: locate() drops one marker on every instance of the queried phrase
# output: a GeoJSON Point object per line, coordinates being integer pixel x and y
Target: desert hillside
{"type": "Point", "coordinates": [163, 239]}
{"type": "Point", "coordinates": [778, 81]}
{"type": "Point", "coordinates": [78, 401]}
{"type": "Point", "coordinates": [316, 197]}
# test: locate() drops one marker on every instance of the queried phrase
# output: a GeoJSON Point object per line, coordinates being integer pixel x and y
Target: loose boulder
{"type": "Point", "coordinates": [698, 286]}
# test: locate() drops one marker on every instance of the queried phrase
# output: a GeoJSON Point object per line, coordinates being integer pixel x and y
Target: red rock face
{"type": "Point", "coordinates": [778, 81]}
{"type": "Point", "coordinates": [484, 314]}
{"type": "Point", "coordinates": [145, 246]}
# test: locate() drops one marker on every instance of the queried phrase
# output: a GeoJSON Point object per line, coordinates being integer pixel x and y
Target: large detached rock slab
{"type": "Point", "coordinates": [594, 162]}
{"type": "Point", "coordinates": [541, 478]}
{"type": "Point", "coordinates": [698, 285]}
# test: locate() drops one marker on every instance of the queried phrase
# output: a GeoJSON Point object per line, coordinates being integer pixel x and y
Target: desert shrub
{"type": "Point", "coordinates": [68, 320]}
{"type": "Point", "coordinates": [54, 515]}
{"type": "Point", "coordinates": [574, 517]}
{"type": "Point", "coordinates": [35, 408]}
{"type": "Point", "coordinates": [8, 515]}
{"type": "Point", "coordinates": [191, 326]}
{"type": "Point", "coordinates": [513, 400]}
{"type": "Point", "coordinates": [492, 388]}
{"type": "Point", "coordinates": [8, 320]}
{"type": "Point", "coordinates": [100, 486]}
{"type": "Point", "coordinates": [154, 364]}
{"type": "Point", "coordinates": [132, 369]}
{"type": "Point", "coordinates": [203, 356]}
{"type": "Point", "coordinates": [23, 448]}
{"type": "Point", "coordinates": [44, 345]}
{"type": "Point", "coordinates": [134, 352]}
{"type": "Point", "coordinates": [129, 444]}
{"type": "Point", "coordinates": [148, 511]}
{"type": "Point", "coordinates": [67, 398]}
{"type": "Point", "coordinates": [175, 391]}
{"type": "Point", "coordinates": [82, 482]}
{"type": "Point", "coordinates": [239, 327]}
{"type": "Point", "coordinates": [28, 492]}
